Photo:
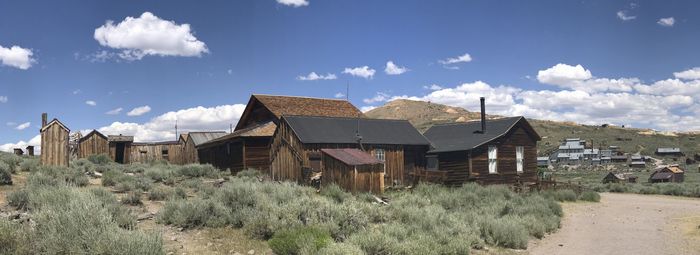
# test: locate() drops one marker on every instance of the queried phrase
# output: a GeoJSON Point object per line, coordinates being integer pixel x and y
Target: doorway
{"type": "Point", "coordinates": [119, 153]}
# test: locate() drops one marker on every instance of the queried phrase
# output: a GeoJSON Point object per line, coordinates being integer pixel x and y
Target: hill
{"type": "Point", "coordinates": [425, 114]}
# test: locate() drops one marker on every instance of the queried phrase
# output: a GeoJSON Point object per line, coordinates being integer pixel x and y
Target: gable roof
{"type": "Point", "coordinates": [93, 132]}
{"type": "Point", "coordinates": [312, 129]}
{"type": "Point", "coordinates": [467, 136]}
{"type": "Point", "coordinates": [202, 137]}
{"type": "Point", "coordinates": [303, 106]}
{"type": "Point", "coordinates": [352, 157]}
{"type": "Point", "coordinates": [672, 168]}
{"type": "Point", "coordinates": [266, 129]}
{"type": "Point", "coordinates": [120, 138]}
{"type": "Point", "coordinates": [183, 137]}
{"type": "Point", "coordinates": [54, 122]}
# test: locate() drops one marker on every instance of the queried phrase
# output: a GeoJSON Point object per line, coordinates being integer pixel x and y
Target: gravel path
{"type": "Point", "coordinates": [626, 224]}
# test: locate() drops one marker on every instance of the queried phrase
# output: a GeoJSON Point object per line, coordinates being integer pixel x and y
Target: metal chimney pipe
{"type": "Point", "coordinates": [44, 119]}
{"type": "Point", "coordinates": [483, 114]}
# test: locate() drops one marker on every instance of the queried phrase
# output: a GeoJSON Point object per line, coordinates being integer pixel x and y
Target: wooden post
{"type": "Point", "coordinates": [44, 119]}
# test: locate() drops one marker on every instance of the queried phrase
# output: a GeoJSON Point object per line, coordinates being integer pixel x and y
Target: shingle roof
{"type": "Point", "coordinates": [661, 175]}
{"type": "Point", "coordinates": [93, 132]}
{"type": "Point", "coordinates": [311, 129]}
{"type": "Point", "coordinates": [261, 130]}
{"type": "Point", "coordinates": [353, 157]}
{"type": "Point", "coordinates": [466, 136]}
{"type": "Point", "coordinates": [308, 106]}
{"type": "Point", "coordinates": [202, 137]}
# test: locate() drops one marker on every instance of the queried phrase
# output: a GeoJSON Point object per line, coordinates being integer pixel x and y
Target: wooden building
{"type": "Point", "coordinates": [170, 151]}
{"type": "Point", "coordinates": [295, 151]}
{"type": "Point", "coordinates": [353, 170]}
{"type": "Point", "coordinates": [120, 148]}
{"type": "Point", "coordinates": [30, 150]}
{"type": "Point", "coordinates": [94, 143]}
{"type": "Point", "coordinates": [18, 151]}
{"type": "Point", "coordinates": [497, 151]}
{"type": "Point", "coordinates": [194, 139]}
{"type": "Point", "coordinates": [248, 146]}
{"type": "Point", "coordinates": [671, 173]}
{"type": "Point", "coordinates": [54, 142]}
{"type": "Point", "coordinates": [619, 178]}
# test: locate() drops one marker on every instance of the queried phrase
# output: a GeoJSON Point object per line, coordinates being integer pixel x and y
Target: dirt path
{"type": "Point", "coordinates": [626, 224]}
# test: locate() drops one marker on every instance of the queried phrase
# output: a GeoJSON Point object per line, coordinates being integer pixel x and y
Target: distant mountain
{"type": "Point", "coordinates": [425, 114]}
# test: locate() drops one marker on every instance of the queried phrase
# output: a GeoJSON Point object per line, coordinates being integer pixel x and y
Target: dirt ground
{"type": "Point", "coordinates": [626, 224]}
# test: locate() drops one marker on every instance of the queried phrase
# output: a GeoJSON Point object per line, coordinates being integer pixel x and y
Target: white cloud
{"type": "Point", "coordinates": [90, 103]}
{"type": "Point", "coordinates": [459, 59]}
{"type": "Point", "coordinates": [624, 16]}
{"type": "Point", "coordinates": [115, 111]}
{"type": "Point", "coordinates": [313, 76]}
{"type": "Point", "coordinates": [363, 71]}
{"type": "Point", "coordinates": [138, 111]}
{"type": "Point", "coordinates": [367, 108]}
{"type": "Point", "coordinates": [666, 22]}
{"type": "Point", "coordinates": [23, 126]}
{"type": "Point", "coordinates": [11, 123]}
{"type": "Point", "coordinates": [148, 35]}
{"type": "Point", "coordinates": [393, 69]}
{"type": "Point", "coordinates": [379, 97]}
{"type": "Point", "coordinates": [339, 95]}
{"type": "Point", "coordinates": [3, 99]}
{"type": "Point", "coordinates": [229, 71]}
{"type": "Point", "coordinates": [562, 74]}
{"type": "Point", "coordinates": [294, 3]}
{"type": "Point", "coordinates": [17, 57]}
{"type": "Point", "coordinates": [690, 74]}
{"type": "Point", "coordinates": [77, 91]}
{"type": "Point", "coordinates": [433, 87]}
{"type": "Point", "coordinates": [35, 141]}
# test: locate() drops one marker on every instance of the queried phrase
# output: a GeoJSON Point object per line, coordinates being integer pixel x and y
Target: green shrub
{"type": "Point", "coordinates": [506, 232]}
{"type": "Point", "coordinates": [29, 164]}
{"type": "Point", "coordinates": [158, 174]}
{"type": "Point", "coordinates": [160, 193]}
{"type": "Point", "coordinates": [303, 240]}
{"type": "Point", "coordinates": [11, 160]}
{"type": "Point", "coordinates": [194, 213]}
{"type": "Point", "coordinates": [563, 195]}
{"type": "Point", "coordinates": [618, 187]}
{"type": "Point", "coordinates": [341, 249]}
{"type": "Point", "coordinates": [590, 196]}
{"type": "Point", "coordinates": [180, 192]}
{"type": "Point", "coordinates": [5, 174]}
{"type": "Point", "coordinates": [101, 159]}
{"type": "Point", "coordinates": [335, 192]}
{"type": "Point", "coordinates": [197, 170]}
{"type": "Point", "coordinates": [132, 198]}
{"type": "Point", "coordinates": [13, 238]}
{"type": "Point", "coordinates": [19, 199]}
{"type": "Point", "coordinates": [248, 173]}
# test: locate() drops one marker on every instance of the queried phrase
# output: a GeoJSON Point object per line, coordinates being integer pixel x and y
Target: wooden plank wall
{"type": "Point", "coordinates": [506, 165]}
{"type": "Point", "coordinates": [146, 153]}
{"type": "Point", "coordinates": [225, 156]}
{"type": "Point", "coordinates": [189, 152]}
{"type": "Point", "coordinates": [113, 151]}
{"type": "Point", "coordinates": [54, 146]}
{"type": "Point", "coordinates": [94, 145]}
{"type": "Point", "coordinates": [257, 153]}
{"type": "Point", "coordinates": [286, 158]}
{"type": "Point", "coordinates": [368, 178]}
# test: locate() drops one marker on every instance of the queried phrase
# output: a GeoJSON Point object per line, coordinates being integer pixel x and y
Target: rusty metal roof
{"type": "Point", "coordinates": [203, 137]}
{"type": "Point", "coordinates": [352, 157]}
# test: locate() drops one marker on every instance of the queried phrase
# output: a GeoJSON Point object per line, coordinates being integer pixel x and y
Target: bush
{"type": "Point", "coordinates": [335, 192]}
{"type": "Point", "coordinates": [618, 187]}
{"type": "Point", "coordinates": [341, 249]}
{"type": "Point", "coordinates": [563, 195]}
{"type": "Point", "coordinates": [13, 238]}
{"type": "Point", "coordinates": [160, 193]}
{"type": "Point", "coordinates": [5, 174]}
{"type": "Point", "coordinates": [11, 160]}
{"type": "Point", "coordinates": [132, 198]}
{"type": "Point", "coordinates": [19, 199]}
{"type": "Point", "coordinates": [303, 240]}
{"type": "Point", "coordinates": [197, 170]}
{"type": "Point", "coordinates": [29, 164]}
{"type": "Point", "coordinates": [158, 174]}
{"type": "Point", "coordinates": [590, 196]}
{"type": "Point", "coordinates": [101, 159]}
{"type": "Point", "coordinates": [194, 213]}
{"type": "Point", "coordinates": [249, 173]}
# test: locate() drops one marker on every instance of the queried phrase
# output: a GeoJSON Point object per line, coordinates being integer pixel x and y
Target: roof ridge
{"type": "Point", "coordinates": [307, 97]}
{"type": "Point", "coordinates": [471, 121]}
{"type": "Point", "coordinates": [350, 118]}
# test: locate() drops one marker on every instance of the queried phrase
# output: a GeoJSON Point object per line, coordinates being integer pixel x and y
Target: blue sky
{"type": "Point", "coordinates": [592, 62]}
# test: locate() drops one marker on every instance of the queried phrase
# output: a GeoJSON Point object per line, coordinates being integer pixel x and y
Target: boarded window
{"type": "Point", "coordinates": [164, 152]}
{"type": "Point", "coordinates": [433, 163]}
{"type": "Point", "coordinates": [493, 159]}
{"type": "Point", "coordinates": [519, 151]}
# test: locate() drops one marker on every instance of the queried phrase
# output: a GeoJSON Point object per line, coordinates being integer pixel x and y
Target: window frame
{"type": "Point", "coordinates": [493, 159]}
{"type": "Point", "coordinates": [519, 159]}
{"type": "Point", "coordinates": [380, 154]}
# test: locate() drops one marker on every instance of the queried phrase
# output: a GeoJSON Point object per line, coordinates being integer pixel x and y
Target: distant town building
{"type": "Point", "coordinates": [542, 161]}
{"type": "Point", "coordinates": [671, 173]}
{"type": "Point", "coordinates": [669, 151]}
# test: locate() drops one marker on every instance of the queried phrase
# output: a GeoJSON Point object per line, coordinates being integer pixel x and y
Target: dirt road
{"type": "Point", "coordinates": [626, 224]}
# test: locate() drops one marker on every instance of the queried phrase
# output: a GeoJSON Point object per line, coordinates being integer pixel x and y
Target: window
{"type": "Point", "coordinates": [433, 163]}
{"type": "Point", "coordinates": [493, 159]}
{"type": "Point", "coordinates": [519, 151]}
{"type": "Point", "coordinates": [379, 154]}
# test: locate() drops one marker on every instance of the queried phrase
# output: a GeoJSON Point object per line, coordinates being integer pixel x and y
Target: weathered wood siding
{"type": "Point", "coordinates": [226, 156]}
{"type": "Point", "coordinates": [54, 146]}
{"type": "Point", "coordinates": [189, 152]}
{"type": "Point", "coordinates": [93, 145]}
{"type": "Point", "coordinates": [289, 156]}
{"type": "Point", "coordinates": [113, 151]}
{"type": "Point", "coordinates": [145, 153]}
{"type": "Point", "coordinates": [257, 153]}
{"type": "Point", "coordinates": [365, 178]}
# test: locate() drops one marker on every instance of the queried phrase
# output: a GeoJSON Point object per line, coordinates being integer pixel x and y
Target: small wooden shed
{"type": "Point", "coordinates": [30, 150]}
{"type": "Point", "coordinates": [619, 178]}
{"type": "Point", "coordinates": [18, 151]}
{"type": "Point", "coordinates": [353, 170]}
{"type": "Point", "coordinates": [120, 148]}
{"type": "Point", "coordinates": [170, 151]}
{"type": "Point", "coordinates": [194, 139]}
{"type": "Point", "coordinates": [94, 143]}
{"type": "Point", "coordinates": [54, 142]}
{"type": "Point", "coordinates": [672, 173]}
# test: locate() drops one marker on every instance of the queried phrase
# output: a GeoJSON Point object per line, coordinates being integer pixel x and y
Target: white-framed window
{"type": "Point", "coordinates": [519, 154]}
{"type": "Point", "coordinates": [379, 154]}
{"type": "Point", "coordinates": [493, 159]}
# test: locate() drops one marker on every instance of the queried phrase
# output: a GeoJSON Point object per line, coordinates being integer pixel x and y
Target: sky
{"type": "Point", "coordinates": [136, 67]}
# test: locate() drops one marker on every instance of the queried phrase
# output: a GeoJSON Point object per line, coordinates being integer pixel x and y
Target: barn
{"type": "Point", "coordinates": [295, 152]}
{"type": "Point", "coordinates": [248, 146]}
{"type": "Point", "coordinates": [170, 151]}
{"type": "Point", "coordinates": [94, 143]}
{"type": "Point", "coordinates": [194, 139]}
{"type": "Point", "coordinates": [353, 170]}
{"type": "Point", "coordinates": [496, 151]}
{"type": "Point", "coordinates": [54, 142]}
{"type": "Point", "coordinates": [671, 173]}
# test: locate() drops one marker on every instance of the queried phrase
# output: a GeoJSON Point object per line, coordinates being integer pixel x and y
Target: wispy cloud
{"type": "Point", "coordinates": [77, 91]}
{"type": "Point", "coordinates": [393, 69]}
{"type": "Point", "coordinates": [314, 76]}
{"type": "Point", "coordinates": [90, 103]}
{"type": "Point", "coordinates": [449, 62]}
{"type": "Point", "coordinates": [363, 71]}
{"type": "Point", "coordinates": [294, 3]}
{"type": "Point", "coordinates": [339, 95]}
{"type": "Point", "coordinates": [666, 22]}
{"type": "Point", "coordinates": [23, 126]}
{"type": "Point", "coordinates": [379, 97]}
{"type": "Point", "coordinates": [138, 111]}
{"type": "Point", "coordinates": [3, 99]}
{"type": "Point", "coordinates": [114, 111]}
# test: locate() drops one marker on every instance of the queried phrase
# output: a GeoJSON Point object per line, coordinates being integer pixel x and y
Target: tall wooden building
{"type": "Point", "coordinates": [54, 142]}
{"type": "Point", "coordinates": [94, 143]}
{"type": "Point", "coordinates": [248, 146]}
{"type": "Point", "coordinates": [498, 151]}
{"type": "Point", "coordinates": [194, 139]}
{"type": "Point", "coordinates": [296, 145]}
